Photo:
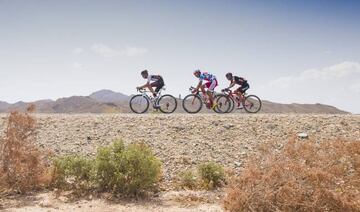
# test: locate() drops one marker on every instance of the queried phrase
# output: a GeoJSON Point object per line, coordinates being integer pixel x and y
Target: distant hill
{"type": "Point", "coordinates": [272, 107]}
{"type": "Point", "coordinates": [108, 96]}
{"type": "Point", "coordinates": [4, 106]}
{"type": "Point", "coordinates": [107, 101]}
{"type": "Point", "coordinates": [82, 104]}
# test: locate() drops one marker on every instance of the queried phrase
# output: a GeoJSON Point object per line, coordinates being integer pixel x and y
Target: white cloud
{"type": "Point", "coordinates": [104, 50]}
{"type": "Point", "coordinates": [134, 51]}
{"type": "Point", "coordinates": [77, 51]}
{"type": "Point", "coordinates": [334, 72]}
{"type": "Point", "coordinates": [77, 65]}
{"type": "Point", "coordinates": [282, 82]}
{"type": "Point", "coordinates": [107, 51]}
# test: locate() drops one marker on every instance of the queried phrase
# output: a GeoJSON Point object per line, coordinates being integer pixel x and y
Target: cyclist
{"type": "Point", "coordinates": [241, 82]}
{"type": "Point", "coordinates": [210, 84]}
{"type": "Point", "coordinates": [152, 81]}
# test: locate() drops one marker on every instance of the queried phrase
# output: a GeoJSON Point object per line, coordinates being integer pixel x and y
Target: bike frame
{"type": "Point", "coordinates": [233, 96]}
{"type": "Point", "coordinates": [145, 94]}
{"type": "Point", "coordinates": [202, 97]}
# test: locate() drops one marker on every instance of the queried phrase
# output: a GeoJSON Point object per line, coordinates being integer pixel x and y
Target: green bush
{"type": "Point", "coordinates": [117, 168]}
{"type": "Point", "coordinates": [188, 179]}
{"type": "Point", "coordinates": [128, 170]}
{"type": "Point", "coordinates": [72, 171]}
{"type": "Point", "coordinates": [211, 174]}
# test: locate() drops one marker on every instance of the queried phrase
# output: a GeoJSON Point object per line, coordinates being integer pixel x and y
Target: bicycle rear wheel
{"type": "Point", "coordinates": [223, 103]}
{"type": "Point", "coordinates": [252, 104]}
{"type": "Point", "coordinates": [192, 103]}
{"type": "Point", "coordinates": [139, 104]}
{"type": "Point", "coordinates": [167, 103]}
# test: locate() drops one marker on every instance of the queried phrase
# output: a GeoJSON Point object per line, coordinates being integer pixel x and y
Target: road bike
{"type": "Point", "coordinates": [140, 103]}
{"type": "Point", "coordinates": [194, 102]}
{"type": "Point", "coordinates": [227, 100]}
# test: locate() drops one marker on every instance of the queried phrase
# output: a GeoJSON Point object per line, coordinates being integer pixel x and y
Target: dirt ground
{"type": "Point", "coordinates": [171, 201]}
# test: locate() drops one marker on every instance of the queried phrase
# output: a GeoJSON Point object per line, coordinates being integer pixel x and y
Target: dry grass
{"type": "Point", "coordinates": [301, 176]}
{"type": "Point", "coordinates": [23, 166]}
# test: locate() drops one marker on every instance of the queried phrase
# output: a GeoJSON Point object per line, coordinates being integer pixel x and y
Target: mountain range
{"type": "Point", "coordinates": [108, 101]}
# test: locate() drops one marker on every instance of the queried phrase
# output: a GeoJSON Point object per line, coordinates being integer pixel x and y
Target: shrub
{"type": "Point", "coordinates": [211, 174]}
{"type": "Point", "coordinates": [117, 168]}
{"type": "Point", "coordinates": [23, 166]}
{"type": "Point", "coordinates": [188, 179]}
{"type": "Point", "coordinates": [72, 172]}
{"type": "Point", "coordinates": [302, 176]}
{"type": "Point", "coordinates": [129, 170]}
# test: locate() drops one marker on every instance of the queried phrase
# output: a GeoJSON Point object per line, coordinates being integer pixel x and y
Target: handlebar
{"type": "Point", "coordinates": [141, 90]}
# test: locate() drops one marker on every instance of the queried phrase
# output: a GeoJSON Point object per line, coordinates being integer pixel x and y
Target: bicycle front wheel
{"type": "Point", "coordinates": [223, 103]}
{"type": "Point", "coordinates": [252, 104]}
{"type": "Point", "coordinates": [139, 104]}
{"type": "Point", "coordinates": [192, 103]}
{"type": "Point", "coordinates": [167, 103]}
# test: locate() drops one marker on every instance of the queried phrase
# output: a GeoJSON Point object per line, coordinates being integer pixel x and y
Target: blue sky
{"type": "Point", "coordinates": [290, 51]}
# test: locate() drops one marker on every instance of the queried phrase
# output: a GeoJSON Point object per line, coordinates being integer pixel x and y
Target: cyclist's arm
{"type": "Point", "coordinates": [231, 85]}
{"type": "Point", "coordinates": [145, 86]}
{"type": "Point", "coordinates": [198, 86]}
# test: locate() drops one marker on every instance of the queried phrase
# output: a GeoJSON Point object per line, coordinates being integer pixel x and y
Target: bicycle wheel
{"type": "Point", "coordinates": [232, 105]}
{"type": "Point", "coordinates": [139, 104]}
{"type": "Point", "coordinates": [192, 103]}
{"type": "Point", "coordinates": [252, 104]}
{"type": "Point", "coordinates": [167, 103]}
{"type": "Point", "coordinates": [223, 103]}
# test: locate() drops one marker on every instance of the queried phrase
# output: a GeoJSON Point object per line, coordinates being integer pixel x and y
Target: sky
{"type": "Point", "coordinates": [290, 51]}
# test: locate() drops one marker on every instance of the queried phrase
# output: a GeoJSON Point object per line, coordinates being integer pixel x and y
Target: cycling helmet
{"type": "Point", "coordinates": [145, 72]}
{"type": "Point", "coordinates": [197, 72]}
{"type": "Point", "coordinates": [229, 75]}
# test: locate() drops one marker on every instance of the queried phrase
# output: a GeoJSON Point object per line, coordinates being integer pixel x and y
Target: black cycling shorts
{"type": "Point", "coordinates": [158, 84]}
{"type": "Point", "coordinates": [244, 87]}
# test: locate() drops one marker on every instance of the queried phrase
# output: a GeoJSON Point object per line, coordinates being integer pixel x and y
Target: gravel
{"type": "Point", "coordinates": [182, 141]}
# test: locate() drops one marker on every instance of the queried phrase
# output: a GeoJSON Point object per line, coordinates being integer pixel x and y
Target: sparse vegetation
{"type": "Point", "coordinates": [211, 174]}
{"type": "Point", "coordinates": [188, 179]}
{"type": "Point", "coordinates": [302, 176]}
{"type": "Point", "coordinates": [208, 175]}
{"type": "Point", "coordinates": [127, 169]}
{"type": "Point", "coordinates": [117, 168]}
{"type": "Point", "coordinates": [23, 165]}
{"type": "Point", "coordinates": [72, 172]}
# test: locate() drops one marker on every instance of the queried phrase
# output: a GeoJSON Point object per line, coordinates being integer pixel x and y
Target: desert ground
{"type": "Point", "coordinates": [181, 141]}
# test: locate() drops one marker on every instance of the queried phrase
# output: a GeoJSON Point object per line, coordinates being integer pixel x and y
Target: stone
{"type": "Point", "coordinates": [303, 135]}
{"type": "Point", "coordinates": [228, 126]}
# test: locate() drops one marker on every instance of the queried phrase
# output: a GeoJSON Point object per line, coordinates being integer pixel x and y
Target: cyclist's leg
{"type": "Point", "coordinates": [210, 90]}
{"type": "Point", "coordinates": [202, 87]}
{"type": "Point", "coordinates": [159, 85]}
{"type": "Point", "coordinates": [153, 84]}
{"type": "Point", "coordinates": [241, 92]}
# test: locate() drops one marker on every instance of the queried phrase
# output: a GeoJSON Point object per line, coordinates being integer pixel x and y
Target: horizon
{"type": "Point", "coordinates": [129, 95]}
{"type": "Point", "coordinates": [291, 52]}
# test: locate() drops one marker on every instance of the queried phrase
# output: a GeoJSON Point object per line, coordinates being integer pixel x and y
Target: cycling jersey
{"type": "Point", "coordinates": [207, 77]}
{"type": "Point", "coordinates": [239, 80]}
{"type": "Point", "coordinates": [154, 78]}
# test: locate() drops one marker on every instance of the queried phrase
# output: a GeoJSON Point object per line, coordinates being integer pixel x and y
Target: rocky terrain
{"type": "Point", "coordinates": [181, 141]}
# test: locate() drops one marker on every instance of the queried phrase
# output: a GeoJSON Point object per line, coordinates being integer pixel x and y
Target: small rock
{"type": "Point", "coordinates": [303, 135]}
{"type": "Point", "coordinates": [228, 126]}
{"type": "Point", "coordinates": [237, 164]}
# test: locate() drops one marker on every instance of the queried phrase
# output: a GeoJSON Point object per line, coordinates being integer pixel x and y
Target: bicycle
{"type": "Point", "coordinates": [194, 102]}
{"type": "Point", "coordinates": [140, 103]}
{"type": "Point", "coordinates": [226, 102]}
